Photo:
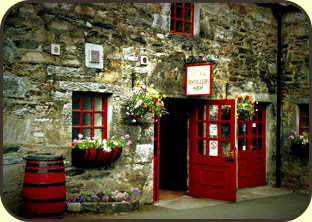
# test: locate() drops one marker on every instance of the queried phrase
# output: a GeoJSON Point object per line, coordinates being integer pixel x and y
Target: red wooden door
{"type": "Point", "coordinates": [251, 150]}
{"type": "Point", "coordinates": [212, 150]}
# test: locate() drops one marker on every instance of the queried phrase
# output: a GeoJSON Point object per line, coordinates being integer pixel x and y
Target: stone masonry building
{"type": "Point", "coordinates": [254, 49]}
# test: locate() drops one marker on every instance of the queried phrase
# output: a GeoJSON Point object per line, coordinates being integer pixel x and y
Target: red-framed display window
{"type": "Point", "coordinates": [304, 119]}
{"type": "Point", "coordinates": [182, 18]}
{"type": "Point", "coordinates": [89, 115]}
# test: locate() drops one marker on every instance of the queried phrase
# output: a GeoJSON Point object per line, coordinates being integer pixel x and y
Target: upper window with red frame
{"type": "Point", "coordinates": [182, 18]}
{"type": "Point", "coordinates": [304, 119]}
{"type": "Point", "coordinates": [89, 115]}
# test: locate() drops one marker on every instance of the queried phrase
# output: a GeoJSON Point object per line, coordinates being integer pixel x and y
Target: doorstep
{"type": "Point", "coordinates": [188, 202]}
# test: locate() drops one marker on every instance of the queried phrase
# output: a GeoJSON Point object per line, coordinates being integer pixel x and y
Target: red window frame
{"type": "Point", "coordinates": [81, 111]}
{"type": "Point", "coordinates": [180, 19]}
{"type": "Point", "coordinates": [303, 117]}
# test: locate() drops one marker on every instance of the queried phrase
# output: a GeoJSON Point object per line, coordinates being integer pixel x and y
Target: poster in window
{"type": "Point", "coordinates": [213, 148]}
{"type": "Point", "coordinates": [198, 80]}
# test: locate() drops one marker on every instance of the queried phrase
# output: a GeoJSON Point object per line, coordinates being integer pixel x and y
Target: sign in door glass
{"type": "Point", "coordinates": [213, 148]}
{"type": "Point", "coordinates": [213, 130]}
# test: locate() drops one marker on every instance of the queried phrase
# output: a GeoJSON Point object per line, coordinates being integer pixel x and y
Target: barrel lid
{"type": "Point", "coordinates": [43, 157]}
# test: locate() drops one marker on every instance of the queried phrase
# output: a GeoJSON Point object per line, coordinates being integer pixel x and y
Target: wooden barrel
{"type": "Point", "coordinates": [44, 189]}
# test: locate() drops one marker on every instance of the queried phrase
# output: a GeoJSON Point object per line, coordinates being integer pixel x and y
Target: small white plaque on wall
{"type": "Point", "coordinates": [94, 56]}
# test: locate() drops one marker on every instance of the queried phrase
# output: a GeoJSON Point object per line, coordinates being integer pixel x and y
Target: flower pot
{"type": "Point", "coordinates": [89, 158]}
{"type": "Point", "coordinates": [300, 150]}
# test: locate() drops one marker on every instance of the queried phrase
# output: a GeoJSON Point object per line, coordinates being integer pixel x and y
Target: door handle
{"type": "Point", "coordinates": [232, 154]}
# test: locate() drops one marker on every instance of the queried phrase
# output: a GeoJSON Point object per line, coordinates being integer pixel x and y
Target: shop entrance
{"type": "Point", "coordinates": [184, 161]}
{"type": "Point", "coordinates": [173, 174]}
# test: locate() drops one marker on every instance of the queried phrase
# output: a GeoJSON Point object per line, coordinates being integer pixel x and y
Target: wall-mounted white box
{"type": "Point", "coordinates": [55, 49]}
{"type": "Point", "coordinates": [94, 56]}
{"type": "Point", "coordinates": [144, 60]}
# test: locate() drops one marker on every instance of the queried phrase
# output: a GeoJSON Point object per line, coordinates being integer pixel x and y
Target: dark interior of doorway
{"type": "Point", "coordinates": [173, 146]}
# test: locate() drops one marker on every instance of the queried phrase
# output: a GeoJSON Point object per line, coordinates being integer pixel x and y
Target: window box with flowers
{"type": "Point", "coordinates": [93, 152]}
{"type": "Point", "coordinates": [299, 144]}
{"type": "Point", "coordinates": [143, 100]}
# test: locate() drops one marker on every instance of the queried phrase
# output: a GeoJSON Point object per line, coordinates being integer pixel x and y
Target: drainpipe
{"type": "Point", "coordinates": [279, 95]}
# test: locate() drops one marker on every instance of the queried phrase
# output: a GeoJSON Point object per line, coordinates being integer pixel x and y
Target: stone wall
{"type": "Point", "coordinates": [239, 39]}
{"type": "Point", "coordinates": [295, 90]}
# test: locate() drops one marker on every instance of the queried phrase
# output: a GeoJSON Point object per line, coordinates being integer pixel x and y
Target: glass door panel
{"type": "Point", "coordinates": [201, 130]}
{"type": "Point", "coordinates": [201, 147]}
{"type": "Point", "coordinates": [226, 148]}
{"type": "Point", "coordinates": [213, 112]}
{"type": "Point", "coordinates": [226, 112]}
{"type": "Point", "coordinates": [202, 113]}
{"type": "Point", "coordinates": [226, 130]}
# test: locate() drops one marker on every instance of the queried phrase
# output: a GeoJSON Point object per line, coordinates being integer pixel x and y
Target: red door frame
{"type": "Point", "coordinates": [156, 161]}
{"type": "Point", "coordinates": [213, 176]}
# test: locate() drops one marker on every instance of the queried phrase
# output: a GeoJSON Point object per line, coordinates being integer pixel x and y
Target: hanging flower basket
{"type": "Point", "coordinates": [89, 158]}
{"type": "Point", "coordinates": [299, 144]}
{"type": "Point", "coordinates": [300, 150]}
{"type": "Point", "coordinates": [245, 107]}
{"type": "Point", "coordinates": [88, 153]}
{"type": "Point", "coordinates": [143, 100]}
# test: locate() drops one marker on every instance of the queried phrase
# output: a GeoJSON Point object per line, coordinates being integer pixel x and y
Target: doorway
{"type": "Point", "coordinates": [173, 147]}
{"type": "Point", "coordinates": [187, 134]}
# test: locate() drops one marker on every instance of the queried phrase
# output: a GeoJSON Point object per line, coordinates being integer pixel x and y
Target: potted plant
{"type": "Point", "coordinates": [93, 152]}
{"type": "Point", "coordinates": [299, 144]}
{"type": "Point", "coordinates": [143, 100]}
{"type": "Point", "coordinates": [245, 107]}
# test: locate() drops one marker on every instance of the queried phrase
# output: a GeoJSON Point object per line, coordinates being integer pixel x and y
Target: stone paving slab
{"type": "Point", "coordinates": [188, 202]}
